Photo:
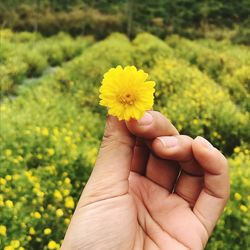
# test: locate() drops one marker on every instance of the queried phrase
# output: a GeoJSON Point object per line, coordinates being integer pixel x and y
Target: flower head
{"type": "Point", "coordinates": [126, 92]}
{"type": "Point", "coordinates": [3, 230]}
{"type": "Point", "coordinates": [59, 212]}
{"type": "Point", "coordinates": [69, 202]}
{"type": "Point", "coordinates": [47, 231]}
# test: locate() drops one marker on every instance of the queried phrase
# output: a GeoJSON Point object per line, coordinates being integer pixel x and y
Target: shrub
{"type": "Point", "coordinates": [51, 130]}
{"type": "Point", "coordinates": [198, 106]}
{"type": "Point", "coordinates": [149, 49]}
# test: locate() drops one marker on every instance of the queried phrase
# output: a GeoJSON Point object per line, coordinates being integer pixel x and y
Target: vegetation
{"type": "Point", "coordinates": [190, 18]}
{"type": "Point", "coordinates": [52, 125]}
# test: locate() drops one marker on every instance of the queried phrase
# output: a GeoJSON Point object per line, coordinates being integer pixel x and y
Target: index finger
{"type": "Point", "coordinates": [150, 126]}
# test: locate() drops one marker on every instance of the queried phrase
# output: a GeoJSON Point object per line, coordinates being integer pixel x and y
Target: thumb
{"type": "Point", "coordinates": [112, 167]}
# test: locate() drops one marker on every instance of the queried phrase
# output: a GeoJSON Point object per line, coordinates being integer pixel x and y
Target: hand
{"type": "Point", "coordinates": [151, 188]}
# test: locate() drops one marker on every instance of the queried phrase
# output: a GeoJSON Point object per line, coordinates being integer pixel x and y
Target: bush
{"type": "Point", "coordinates": [234, 226]}
{"type": "Point", "coordinates": [149, 49]}
{"type": "Point", "coordinates": [51, 130]}
{"type": "Point", "coordinates": [197, 106]}
{"type": "Point", "coordinates": [36, 63]}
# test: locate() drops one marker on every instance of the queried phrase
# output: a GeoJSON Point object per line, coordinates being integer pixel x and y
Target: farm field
{"type": "Point", "coordinates": [51, 123]}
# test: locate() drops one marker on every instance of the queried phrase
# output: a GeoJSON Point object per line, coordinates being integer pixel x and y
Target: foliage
{"type": "Point", "coordinates": [29, 55]}
{"type": "Point", "coordinates": [52, 128]}
{"type": "Point", "coordinates": [190, 18]}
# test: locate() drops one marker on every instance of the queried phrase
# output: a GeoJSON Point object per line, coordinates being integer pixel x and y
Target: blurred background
{"type": "Point", "coordinates": [53, 55]}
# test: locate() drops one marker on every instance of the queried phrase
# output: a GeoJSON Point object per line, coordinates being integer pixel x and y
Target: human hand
{"type": "Point", "coordinates": [151, 188]}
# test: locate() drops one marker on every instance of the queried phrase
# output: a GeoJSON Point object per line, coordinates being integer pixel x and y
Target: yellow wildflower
{"type": "Point", "coordinates": [16, 161]}
{"type": "Point", "coordinates": [69, 202]}
{"type": "Point", "coordinates": [9, 203]}
{"type": "Point", "coordinates": [32, 231]}
{"type": "Point", "coordinates": [59, 212]}
{"type": "Point", "coordinates": [243, 208]}
{"type": "Point", "coordinates": [50, 151]}
{"type": "Point", "coordinates": [66, 192]}
{"type": "Point", "coordinates": [56, 131]}
{"type": "Point", "coordinates": [236, 149]}
{"type": "Point", "coordinates": [67, 221]}
{"type": "Point", "coordinates": [39, 156]}
{"type": "Point", "coordinates": [3, 230]}
{"type": "Point", "coordinates": [67, 139]}
{"type": "Point", "coordinates": [9, 248]}
{"type": "Point", "coordinates": [8, 152]}
{"type": "Point", "coordinates": [237, 196]}
{"type": "Point", "coordinates": [19, 158]}
{"type": "Point", "coordinates": [15, 177]}
{"type": "Point", "coordinates": [8, 177]}
{"type": "Point", "coordinates": [47, 231]}
{"type": "Point", "coordinates": [65, 161]}
{"type": "Point", "coordinates": [37, 215]}
{"type": "Point", "coordinates": [15, 243]}
{"type": "Point", "coordinates": [67, 180]}
{"type": "Point", "coordinates": [126, 92]}
{"type": "Point", "coordinates": [45, 132]}
{"type": "Point", "coordinates": [52, 245]}
{"type": "Point", "coordinates": [2, 181]}
{"type": "Point", "coordinates": [58, 196]}
{"type": "Point", "coordinates": [23, 225]}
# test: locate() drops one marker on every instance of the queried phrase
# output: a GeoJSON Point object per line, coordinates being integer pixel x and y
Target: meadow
{"type": "Point", "coordinates": [51, 123]}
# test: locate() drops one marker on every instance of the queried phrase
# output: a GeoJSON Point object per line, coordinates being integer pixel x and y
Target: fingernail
{"type": "Point", "coordinates": [204, 142]}
{"type": "Point", "coordinates": [168, 141]}
{"type": "Point", "coordinates": [146, 119]}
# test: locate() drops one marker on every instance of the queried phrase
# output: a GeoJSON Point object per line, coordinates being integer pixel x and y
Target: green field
{"type": "Point", "coordinates": [52, 124]}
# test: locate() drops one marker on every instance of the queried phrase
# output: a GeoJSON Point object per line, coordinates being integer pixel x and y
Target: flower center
{"type": "Point", "coordinates": [127, 98]}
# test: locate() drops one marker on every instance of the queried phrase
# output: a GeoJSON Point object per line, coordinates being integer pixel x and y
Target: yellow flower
{"type": "Point", "coordinates": [69, 202]}
{"type": "Point", "coordinates": [59, 212]}
{"type": "Point", "coordinates": [8, 177]}
{"type": "Point", "coordinates": [237, 196]}
{"type": "Point", "coordinates": [58, 196]}
{"type": "Point", "coordinates": [37, 215]}
{"type": "Point", "coordinates": [8, 152]}
{"type": "Point", "coordinates": [32, 231]}
{"type": "Point", "coordinates": [236, 149]}
{"type": "Point", "coordinates": [9, 204]}
{"type": "Point", "coordinates": [39, 156]}
{"type": "Point", "coordinates": [19, 158]}
{"type": "Point", "coordinates": [67, 221]}
{"type": "Point", "coordinates": [9, 248]}
{"type": "Point", "coordinates": [3, 230]}
{"type": "Point", "coordinates": [15, 243]}
{"type": "Point", "coordinates": [56, 131]}
{"type": "Point", "coordinates": [126, 92]}
{"type": "Point", "coordinates": [52, 245]}
{"type": "Point", "coordinates": [66, 192]}
{"type": "Point", "coordinates": [45, 132]}
{"type": "Point", "coordinates": [67, 139]}
{"type": "Point", "coordinates": [50, 151]}
{"type": "Point", "coordinates": [65, 161]}
{"type": "Point", "coordinates": [47, 231]}
{"type": "Point", "coordinates": [23, 225]}
{"type": "Point", "coordinates": [243, 208]}
{"type": "Point", "coordinates": [67, 180]}
{"type": "Point", "coordinates": [2, 181]}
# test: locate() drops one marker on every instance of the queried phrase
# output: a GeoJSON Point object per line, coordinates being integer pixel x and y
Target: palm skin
{"type": "Point", "coordinates": [165, 220]}
{"type": "Point", "coordinates": [147, 204]}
